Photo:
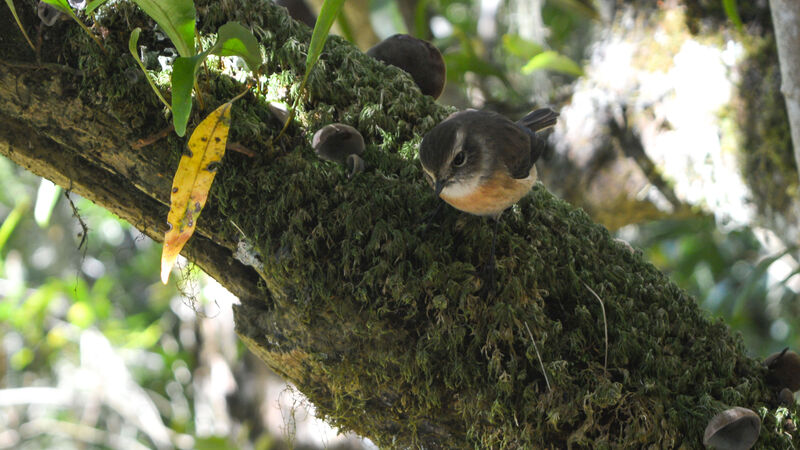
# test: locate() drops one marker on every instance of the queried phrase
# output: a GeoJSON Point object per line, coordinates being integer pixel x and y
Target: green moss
{"type": "Point", "coordinates": [767, 143]}
{"type": "Point", "coordinates": [377, 318]}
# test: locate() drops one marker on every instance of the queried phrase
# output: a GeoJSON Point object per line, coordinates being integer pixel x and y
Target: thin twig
{"type": "Point", "coordinates": [239, 148]}
{"type": "Point", "coordinates": [152, 139]}
{"type": "Point", "coordinates": [605, 323]}
{"type": "Point", "coordinates": [538, 356]}
{"type": "Point", "coordinates": [77, 215]}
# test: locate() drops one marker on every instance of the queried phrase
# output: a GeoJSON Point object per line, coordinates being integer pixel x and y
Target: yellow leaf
{"type": "Point", "coordinates": [196, 172]}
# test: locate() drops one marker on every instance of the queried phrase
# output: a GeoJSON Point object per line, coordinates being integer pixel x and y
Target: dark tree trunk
{"type": "Point", "coordinates": [373, 316]}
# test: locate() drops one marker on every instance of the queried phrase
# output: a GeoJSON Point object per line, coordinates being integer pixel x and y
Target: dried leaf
{"type": "Point", "coordinates": [192, 182]}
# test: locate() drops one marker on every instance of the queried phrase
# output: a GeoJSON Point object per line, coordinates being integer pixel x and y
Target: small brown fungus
{"type": "Point", "coordinates": [783, 370]}
{"type": "Point", "coordinates": [335, 142]}
{"type": "Point", "coordinates": [786, 397]}
{"type": "Point", "coordinates": [419, 58]}
{"type": "Point", "coordinates": [279, 110]}
{"type": "Point", "coordinates": [355, 165]}
{"type": "Point", "coordinates": [733, 429]}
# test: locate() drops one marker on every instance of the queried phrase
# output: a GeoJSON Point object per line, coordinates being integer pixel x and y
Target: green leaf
{"type": "Point", "coordinates": [421, 13]}
{"type": "Point", "coordinates": [460, 63]}
{"type": "Point", "coordinates": [183, 73]}
{"type": "Point", "coordinates": [732, 11]}
{"type": "Point", "coordinates": [344, 27]}
{"type": "Point", "coordinates": [94, 4]}
{"type": "Point", "coordinates": [133, 47]}
{"type": "Point", "coordinates": [521, 47]}
{"type": "Point", "coordinates": [21, 358]}
{"type": "Point", "coordinates": [554, 61]}
{"type": "Point", "coordinates": [11, 221]}
{"type": "Point", "coordinates": [235, 40]}
{"type": "Point", "coordinates": [81, 315]}
{"type": "Point", "coordinates": [10, 4]}
{"type": "Point", "coordinates": [327, 15]}
{"type": "Point", "coordinates": [176, 18]}
{"type": "Point", "coordinates": [61, 5]}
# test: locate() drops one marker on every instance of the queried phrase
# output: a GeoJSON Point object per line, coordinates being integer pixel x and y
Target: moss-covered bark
{"type": "Point", "coordinates": [375, 317]}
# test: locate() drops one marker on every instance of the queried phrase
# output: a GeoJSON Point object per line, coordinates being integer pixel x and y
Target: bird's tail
{"type": "Point", "coordinates": [539, 119]}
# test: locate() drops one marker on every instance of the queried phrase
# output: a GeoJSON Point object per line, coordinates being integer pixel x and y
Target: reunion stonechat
{"type": "Point", "coordinates": [482, 163]}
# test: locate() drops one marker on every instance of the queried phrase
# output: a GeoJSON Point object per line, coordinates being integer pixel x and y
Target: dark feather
{"type": "Point", "coordinates": [539, 119]}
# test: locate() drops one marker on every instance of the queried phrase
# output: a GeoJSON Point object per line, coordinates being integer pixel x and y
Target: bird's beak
{"type": "Point", "coordinates": [438, 186]}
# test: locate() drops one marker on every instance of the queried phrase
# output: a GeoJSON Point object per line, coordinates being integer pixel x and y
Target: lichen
{"type": "Point", "coordinates": [767, 142]}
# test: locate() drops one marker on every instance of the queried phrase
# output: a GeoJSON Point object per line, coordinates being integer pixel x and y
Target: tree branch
{"type": "Point", "coordinates": [373, 316]}
{"type": "Point", "coordinates": [786, 22]}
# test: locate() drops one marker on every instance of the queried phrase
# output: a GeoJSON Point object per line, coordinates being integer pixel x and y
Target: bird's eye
{"type": "Point", "coordinates": [459, 159]}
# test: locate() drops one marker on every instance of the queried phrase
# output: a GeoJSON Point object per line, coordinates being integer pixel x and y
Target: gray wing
{"type": "Point", "coordinates": [510, 142]}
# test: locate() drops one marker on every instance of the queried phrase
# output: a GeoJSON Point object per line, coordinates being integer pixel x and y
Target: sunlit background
{"type": "Point", "coordinates": [97, 352]}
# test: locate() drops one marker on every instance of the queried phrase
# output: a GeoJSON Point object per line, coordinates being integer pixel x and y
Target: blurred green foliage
{"type": "Point", "coordinates": [727, 272]}
{"type": "Point", "coordinates": [50, 292]}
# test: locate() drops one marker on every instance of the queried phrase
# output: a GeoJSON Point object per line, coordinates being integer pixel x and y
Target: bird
{"type": "Point", "coordinates": [482, 163]}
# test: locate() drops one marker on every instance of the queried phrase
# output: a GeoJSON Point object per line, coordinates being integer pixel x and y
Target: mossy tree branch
{"type": "Point", "coordinates": [786, 21]}
{"type": "Point", "coordinates": [372, 315]}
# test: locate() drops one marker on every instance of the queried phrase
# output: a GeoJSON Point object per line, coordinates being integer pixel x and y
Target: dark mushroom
{"type": "Point", "coordinates": [783, 370]}
{"type": "Point", "coordinates": [733, 429]}
{"type": "Point", "coordinates": [279, 110]}
{"type": "Point", "coordinates": [419, 58]}
{"type": "Point", "coordinates": [785, 397]}
{"type": "Point", "coordinates": [355, 165]}
{"type": "Point", "coordinates": [335, 142]}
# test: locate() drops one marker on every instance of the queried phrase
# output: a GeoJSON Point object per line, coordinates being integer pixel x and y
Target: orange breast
{"type": "Point", "coordinates": [492, 197]}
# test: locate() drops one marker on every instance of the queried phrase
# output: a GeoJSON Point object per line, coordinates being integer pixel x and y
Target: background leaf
{"type": "Point", "coordinates": [577, 7]}
{"type": "Point", "coordinates": [554, 61]}
{"type": "Point", "coordinates": [176, 18]}
{"type": "Point", "coordinates": [521, 47]}
{"type": "Point", "coordinates": [732, 11]}
{"type": "Point", "coordinates": [192, 181]}
{"type": "Point", "coordinates": [235, 40]}
{"type": "Point", "coordinates": [10, 4]}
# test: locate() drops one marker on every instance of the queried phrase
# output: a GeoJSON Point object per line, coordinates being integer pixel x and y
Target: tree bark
{"type": "Point", "coordinates": [374, 316]}
{"type": "Point", "coordinates": [786, 21]}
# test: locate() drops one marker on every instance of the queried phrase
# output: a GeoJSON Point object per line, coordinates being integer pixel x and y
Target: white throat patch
{"type": "Point", "coordinates": [462, 188]}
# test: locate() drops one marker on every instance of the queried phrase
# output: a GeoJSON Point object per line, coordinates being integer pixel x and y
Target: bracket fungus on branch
{"type": "Point", "coordinates": [421, 59]}
{"type": "Point", "coordinates": [341, 144]}
{"type": "Point", "coordinates": [733, 429]}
